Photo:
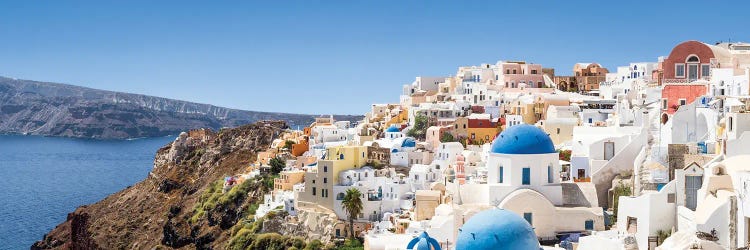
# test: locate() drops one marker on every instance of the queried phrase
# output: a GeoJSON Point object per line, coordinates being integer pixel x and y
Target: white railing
{"type": "Point", "coordinates": [700, 80]}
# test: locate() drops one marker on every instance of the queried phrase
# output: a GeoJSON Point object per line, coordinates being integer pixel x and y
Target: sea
{"type": "Point", "coordinates": [42, 179]}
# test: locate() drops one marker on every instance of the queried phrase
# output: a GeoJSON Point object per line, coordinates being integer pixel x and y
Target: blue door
{"type": "Point", "coordinates": [526, 176]}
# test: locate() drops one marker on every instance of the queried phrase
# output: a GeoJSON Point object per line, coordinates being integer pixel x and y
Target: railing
{"type": "Point", "coordinates": [686, 80]}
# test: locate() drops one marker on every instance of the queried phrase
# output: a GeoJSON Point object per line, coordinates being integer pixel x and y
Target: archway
{"type": "Point", "coordinates": [664, 118]}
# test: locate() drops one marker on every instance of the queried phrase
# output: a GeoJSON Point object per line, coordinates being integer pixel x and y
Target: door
{"type": "Point", "coordinates": [692, 184]}
{"type": "Point", "coordinates": [581, 173]}
{"type": "Point", "coordinates": [692, 72]}
{"type": "Point", "coordinates": [609, 150]}
{"type": "Point", "coordinates": [526, 178]}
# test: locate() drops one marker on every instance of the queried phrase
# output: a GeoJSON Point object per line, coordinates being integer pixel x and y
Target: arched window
{"type": "Point", "coordinates": [693, 59]}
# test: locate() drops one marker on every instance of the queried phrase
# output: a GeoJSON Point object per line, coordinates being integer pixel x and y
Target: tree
{"type": "Point", "coordinates": [353, 206]}
{"type": "Point", "coordinates": [420, 127]}
{"type": "Point", "coordinates": [288, 144]}
{"type": "Point", "coordinates": [621, 189]}
{"type": "Point", "coordinates": [277, 165]}
{"type": "Point", "coordinates": [447, 137]}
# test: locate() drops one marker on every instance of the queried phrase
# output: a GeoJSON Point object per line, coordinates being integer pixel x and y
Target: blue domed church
{"type": "Point", "coordinates": [523, 176]}
{"type": "Point", "coordinates": [496, 229]}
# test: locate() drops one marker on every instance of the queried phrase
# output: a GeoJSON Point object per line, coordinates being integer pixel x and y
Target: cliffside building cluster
{"type": "Point", "coordinates": [652, 155]}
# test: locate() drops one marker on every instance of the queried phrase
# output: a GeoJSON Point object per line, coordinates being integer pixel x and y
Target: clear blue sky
{"type": "Point", "coordinates": [332, 56]}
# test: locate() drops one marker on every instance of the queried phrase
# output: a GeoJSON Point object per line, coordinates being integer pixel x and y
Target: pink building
{"type": "Point", "coordinates": [520, 74]}
{"type": "Point", "coordinates": [675, 95]}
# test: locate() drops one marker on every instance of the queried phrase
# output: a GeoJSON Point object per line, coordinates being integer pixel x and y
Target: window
{"type": "Point", "coordinates": [683, 102]}
{"type": "Point", "coordinates": [533, 72]}
{"type": "Point", "coordinates": [341, 156]}
{"type": "Point", "coordinates": [340, 196]}
{"type": "Point", "coordinates": [486, 137]}
{"type": "Point", "coordinates": [589, 225]}
{"type": "Point", "coordinates": [325, 169]}
{"type": "Point", "coordinates": [693, 59]}
{"type": "Point", "coordinates": [526, 177]}
{"type": "Point", "coordinates": [558, 131]}
{"type": "Point", "coordinates": [325, 180]}
{"type": "Point", "coordinates": [514, 71]}
{"type": "Point", "coordinates": [549, 174]}
{"type": "Point", "coordinates": [500, 175]}
{"type": "Point", "coordinates": [731, 123]}
{"type": "Point", "coordinates": [473, 136]}
{"type": "Point", "coordinates": [679, 70]}
{"type": "Point", "coordinates": [705, 70]}
{"type": "Point", "coordinates": [528, 217]}
{"type": "Point", "coordinates": [664, 104]}
{"type": "Point", "coordinates": [314, 191]}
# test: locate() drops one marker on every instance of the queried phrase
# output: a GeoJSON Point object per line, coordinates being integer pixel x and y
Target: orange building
{"type": "Point", "coordinates": [301, 147]}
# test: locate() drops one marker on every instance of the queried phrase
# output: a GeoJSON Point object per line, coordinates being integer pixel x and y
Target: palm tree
{"type": "Point", "coordinates": [353, 206]}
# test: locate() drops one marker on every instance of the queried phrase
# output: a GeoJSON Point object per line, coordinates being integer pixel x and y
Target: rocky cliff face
{"type": "Point", "coordinates": [160, 210]}
{"type": "Point", "coordinates": [53, 109]}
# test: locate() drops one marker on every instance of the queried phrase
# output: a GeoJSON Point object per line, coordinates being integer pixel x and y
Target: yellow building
{"type": "Point", "coordinates": [319, 182]}
{"type": "Point", "coordinates": [482, 129]}
{"type": "Point", "coordinates": [401, 118]}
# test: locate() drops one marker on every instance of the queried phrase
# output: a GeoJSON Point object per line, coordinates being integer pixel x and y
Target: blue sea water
{"type": "Point", "coordinates": [42, 179]}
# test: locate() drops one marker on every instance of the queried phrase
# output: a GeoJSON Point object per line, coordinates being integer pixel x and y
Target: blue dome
{"type": "Point", "coordinates": [497, 229]}
{"type": "Point", "coordinates": [392, 128]}
{"type": "Point", "coordinates": [423, 242]}
{"type": "Point", "coordinates": [523, 139]}
{"type": "Point", "coordinates": [408, 143]}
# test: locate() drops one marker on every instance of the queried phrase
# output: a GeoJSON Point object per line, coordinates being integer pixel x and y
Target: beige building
{"type": "Point", "coordinates": [460, 128]}
{"type": "Point", "coordinates": [320, 180]}
{"type": "Point", "coordinates": [287, 180]}
{"type": "Point", "coordinates": [427, 201]}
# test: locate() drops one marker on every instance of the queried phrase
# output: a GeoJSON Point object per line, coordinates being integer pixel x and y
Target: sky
{"type": "Point", "coordinates": [332, 57]}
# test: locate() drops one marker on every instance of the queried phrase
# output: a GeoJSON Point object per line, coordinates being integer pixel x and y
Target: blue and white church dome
{"type": "Point", "coordinates": [523, 139]}
{"type": "Point", "coordinates": [497, 229]}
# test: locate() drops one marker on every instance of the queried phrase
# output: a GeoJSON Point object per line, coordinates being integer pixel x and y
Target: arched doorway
{"type": "Point", "coordinates": [664, 118]}
{"type": "Point", "coordinates": [563, 85]}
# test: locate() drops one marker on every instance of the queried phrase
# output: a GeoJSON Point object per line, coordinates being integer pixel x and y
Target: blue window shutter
{"type": "Point", "coordinates": [501, 175]}
{"type": "Point", "coordinates": [528, 218]}
{"type": "Point", "coordinates": [589, 225]}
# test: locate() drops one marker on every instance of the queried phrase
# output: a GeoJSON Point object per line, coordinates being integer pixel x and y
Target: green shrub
{"type": "Point", "coordinates": [314, 245]}
{"type": "Point", "coordinates": [269, 241]}
{"type": "Point", "coordinates": [243, 239]}
{"type": "Point", "coordinates": [351, 244]}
